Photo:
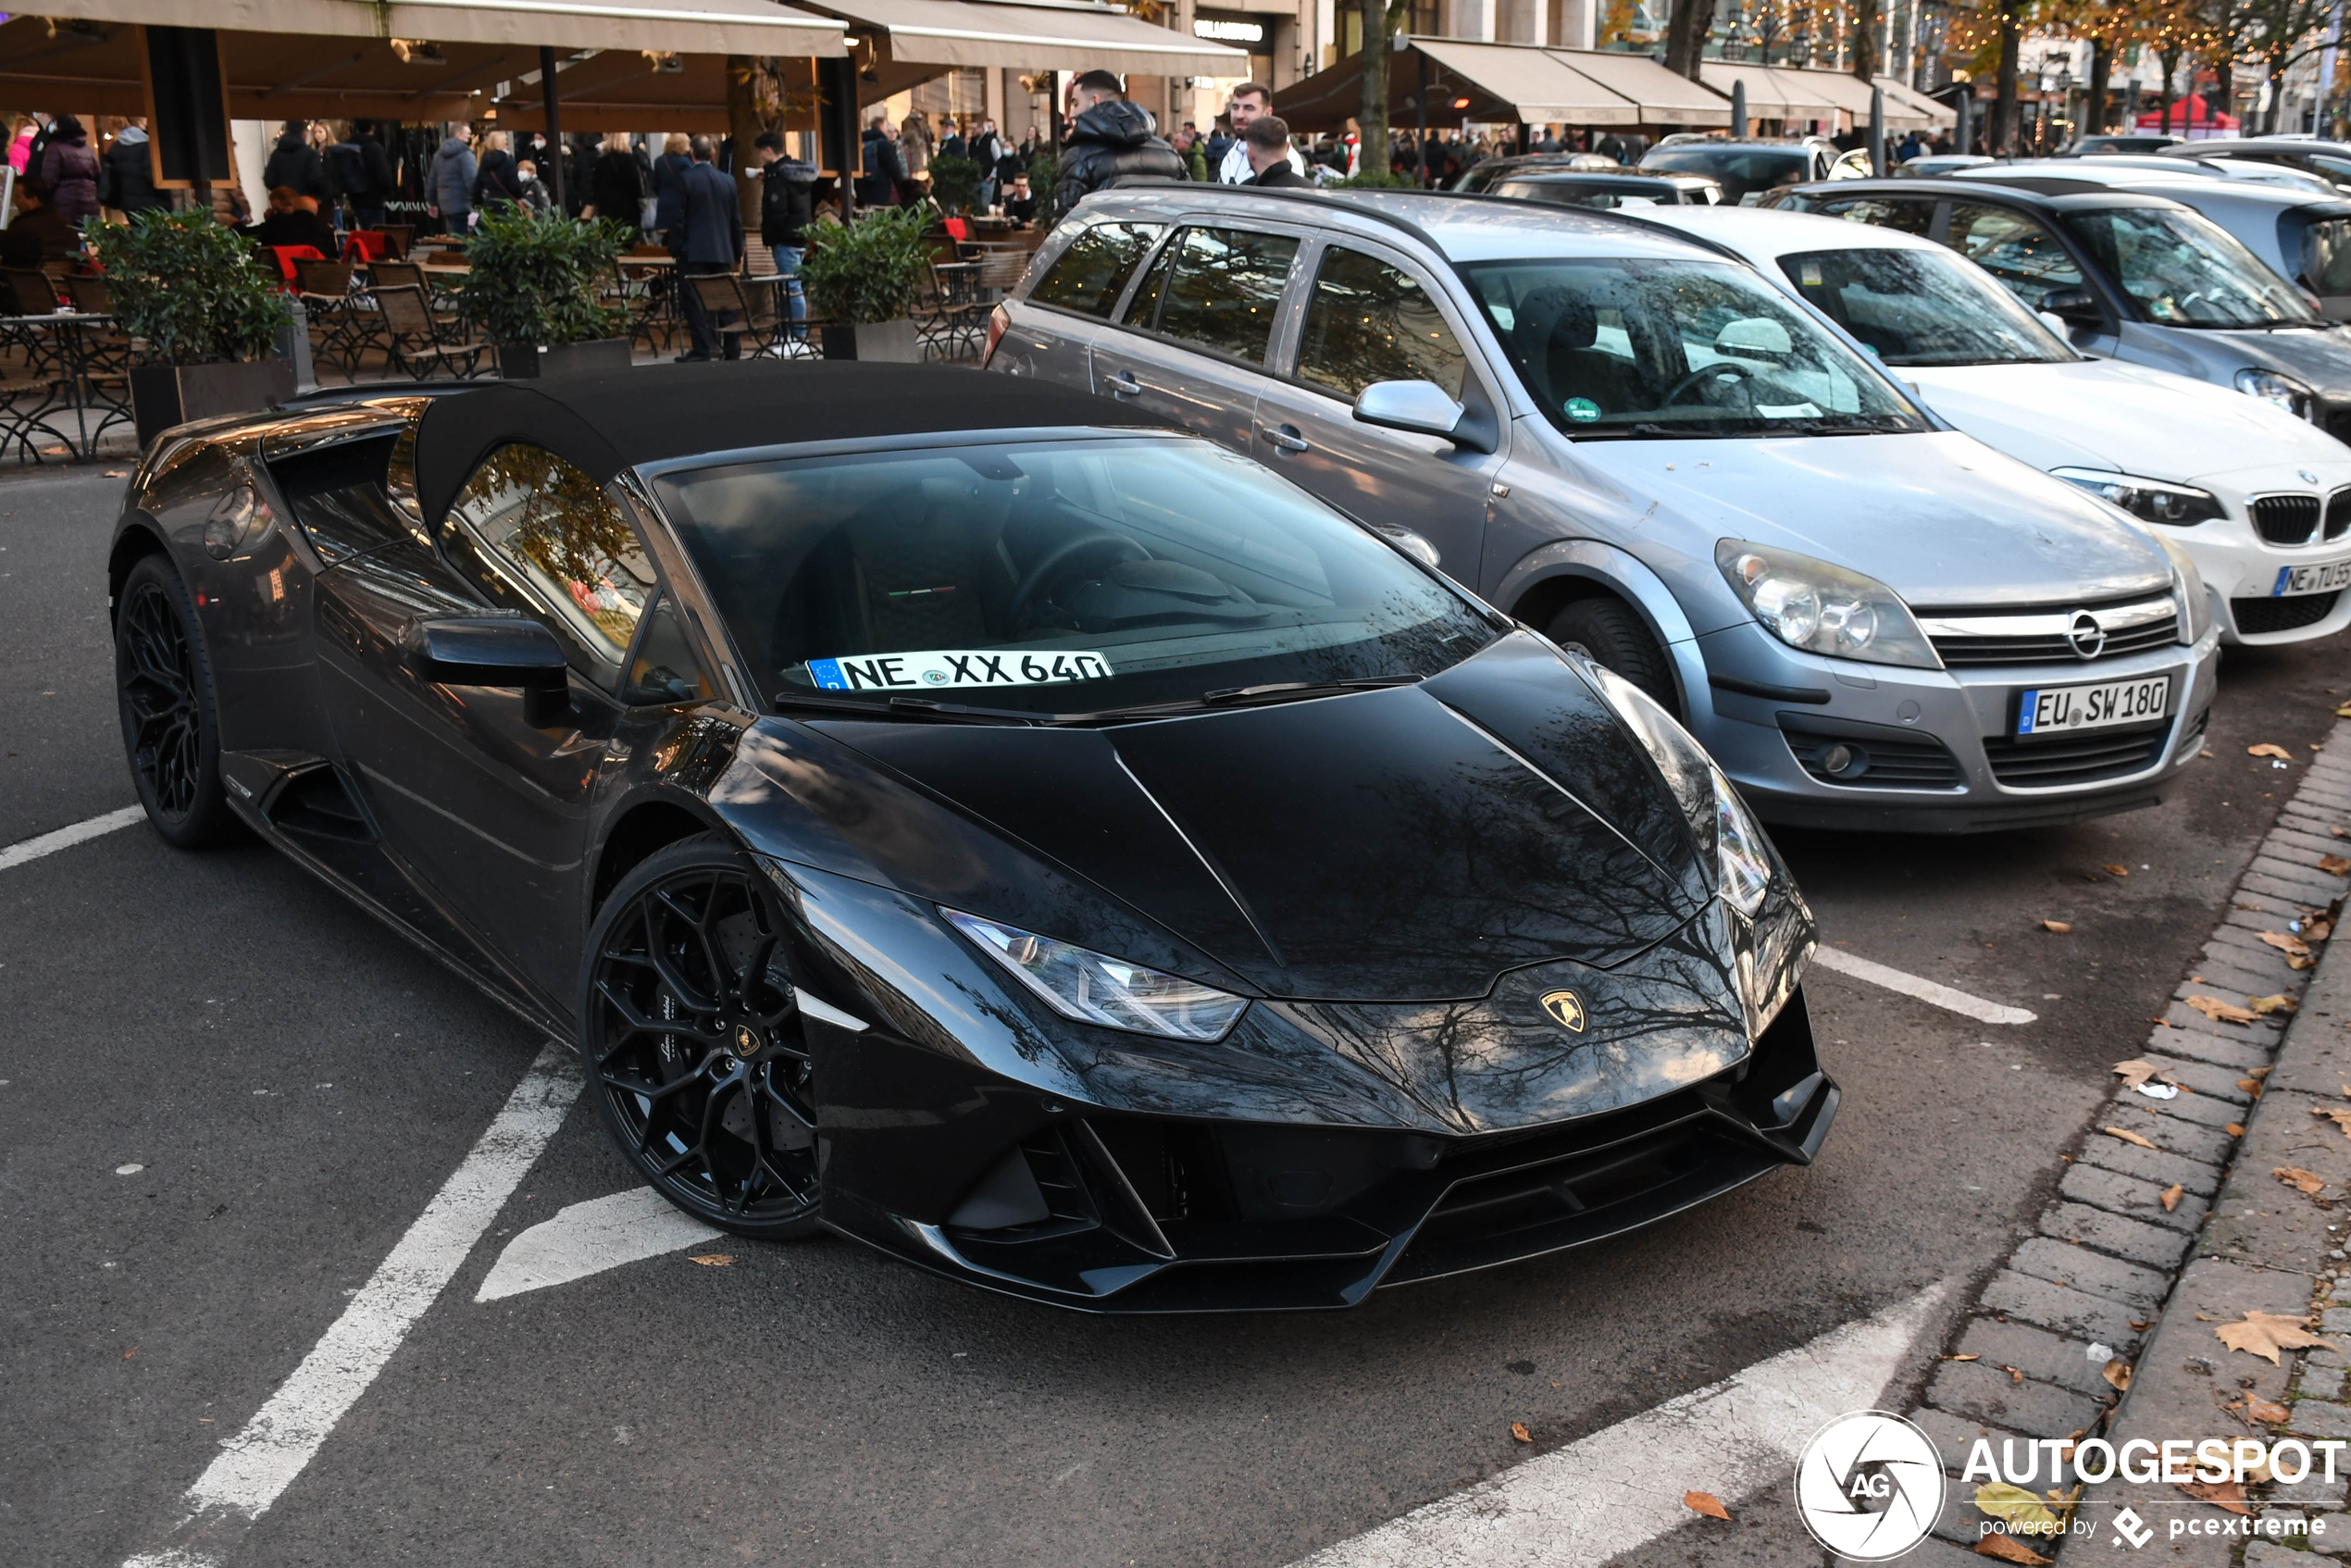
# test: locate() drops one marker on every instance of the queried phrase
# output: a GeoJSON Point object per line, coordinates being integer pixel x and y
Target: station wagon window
{"type": "Point", "coordinates": [534, 533]}
{"type": "Point", "coordinates": [2182, 270]}
{"type": "Point", "coordinates": [1089, 276]}
{"type": "Point", "coordinates": [2024, 256]}
{"type": "Point", "coordinates": [1370, 320]}
{"type": "Point", "coordinates": [1910, 217]}
{"type": "Point", "coordinates": [1217, 289]}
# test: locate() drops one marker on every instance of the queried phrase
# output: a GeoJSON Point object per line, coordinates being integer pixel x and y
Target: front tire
{"type": "Point", "coordinates": [1607, 631]}
{"type": "Point", "coordinates": [170, 722]}
{"type": "Point", "coordinates": [691, 1035]}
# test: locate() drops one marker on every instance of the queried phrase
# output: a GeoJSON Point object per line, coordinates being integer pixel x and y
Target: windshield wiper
{"type": "Point", "coordinates": [904, 707]}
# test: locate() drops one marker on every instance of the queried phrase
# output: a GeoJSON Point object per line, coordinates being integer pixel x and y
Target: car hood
{"type": "Point", "coordinates": [2103, 414]}
{"type": "Point", "coordinates": [1939, 518]}
{"type": "Point", "coordinates": [2320, 357]}
{"type": "Point", "coordinates": [1411, 843]}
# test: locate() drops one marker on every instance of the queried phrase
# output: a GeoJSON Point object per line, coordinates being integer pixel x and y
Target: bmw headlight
{"type": "Point", "coordinates": [1823, 608]}
{"type": "Point", "coordinates": [2187, 582]}
{"type": "Point", "coordinates": [2150, 500]}
{"type": "Point", "coordinates": [1094, 987]}
{"type": "Point", "coordinates": [1718, 819]}
{"type": "Point", "coordinates": [2284, 390]}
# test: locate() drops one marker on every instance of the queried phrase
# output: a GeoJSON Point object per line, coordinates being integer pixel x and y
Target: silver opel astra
{"type": "Point", "coordinates": [1631, 442]}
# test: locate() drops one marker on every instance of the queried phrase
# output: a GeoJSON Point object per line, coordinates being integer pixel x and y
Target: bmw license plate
{"type": "Point", "coordinates": [2323, 577]}
{"type": "Point", "coordinates": [2051, 710]}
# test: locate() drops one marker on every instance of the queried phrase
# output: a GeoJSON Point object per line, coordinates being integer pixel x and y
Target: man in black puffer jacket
{"type": "Point", "coordinates": [1110, 142]}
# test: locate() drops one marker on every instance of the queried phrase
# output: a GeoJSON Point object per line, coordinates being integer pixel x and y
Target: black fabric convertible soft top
{"type": "Point", "coordinates": [615, 419]}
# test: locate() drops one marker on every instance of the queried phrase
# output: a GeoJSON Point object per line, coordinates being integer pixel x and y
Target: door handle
{"type": "Point", "coordinates": [1285, 437]}
{"type": "Point", "coordinates": [1124, 384]}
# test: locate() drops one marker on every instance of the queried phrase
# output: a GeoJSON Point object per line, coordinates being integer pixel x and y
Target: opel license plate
{"type": "Point", "coordinates": [2050, 710]}
{"type": "Point", "coordinates": [2323, 577]}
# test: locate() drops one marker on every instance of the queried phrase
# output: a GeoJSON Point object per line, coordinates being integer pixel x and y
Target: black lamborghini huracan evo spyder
{"type": "Point", "coordinates": [974, 818]}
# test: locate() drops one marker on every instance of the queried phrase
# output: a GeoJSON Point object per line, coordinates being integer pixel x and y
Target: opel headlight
{"type": "Point", "coordinates": [2284, 390]}
{"type": "Point", "coordinates": [2195, 608]}
{"type": "Point", "coordinates": [1094, 987]}
{"type": "Point", "coordinates": [1823, 608]}
{"type": "Point", "coordinates": [1718, 819]}
{"type": "Point", "coordinates": [2150, 500]}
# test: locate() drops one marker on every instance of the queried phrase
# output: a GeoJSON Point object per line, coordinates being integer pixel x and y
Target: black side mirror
{"type": "Point", "coordinates": [512, 653]}
{"type": "Point", "coordinates": [2074, 307]}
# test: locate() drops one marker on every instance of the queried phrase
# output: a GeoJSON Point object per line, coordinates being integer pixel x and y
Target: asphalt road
{"type": "Point", "coordinates": [295, 1083]}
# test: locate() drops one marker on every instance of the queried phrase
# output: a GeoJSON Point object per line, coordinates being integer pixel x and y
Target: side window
{"type": "Point", "coordinates": [2019, 253]}
{"type": "Point", "coordinates": [337, 494]}
{"type": "Point", "coordinates": [534, 533]}
{"type": "Point", "coordinates": [1087, 277]}
{"type": "Point", "coordinates": [1223, 288]}
{"type": "Point", "coordinates": [1142, 312]}
{"type": "Point", "coordinates": [1370, 321]}
{"type": "Point", "coordinates": [662, 668]}
{"type": "Point", "coordinates": [1910, 217]}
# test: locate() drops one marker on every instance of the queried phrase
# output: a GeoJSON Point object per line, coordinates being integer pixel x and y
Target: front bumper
{"type": "Point", "coordinates": [2240, 571]}
{"type": "Point", "coordinates": [1948, 763]}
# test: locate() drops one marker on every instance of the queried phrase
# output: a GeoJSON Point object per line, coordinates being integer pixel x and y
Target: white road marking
{"type": "Point", "coordinates": [1926, 991]}
{"type": "Point", "coordinates": [589, 1237]}
{"type": "Point", "coordinates": [66, 837]}
{"type": "Point", "coordinates": [262, 1460]}
{"type": "Point", "coordinates": [1622, 1487]}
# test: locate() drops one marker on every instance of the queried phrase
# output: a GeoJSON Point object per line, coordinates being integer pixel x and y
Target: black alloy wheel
{"type": "Point", "coordinates": [692, 1036]}
{"type": "Point", "coordinates": [1610, 633]}
{"type": "Point", "coordinates": [170, 724]}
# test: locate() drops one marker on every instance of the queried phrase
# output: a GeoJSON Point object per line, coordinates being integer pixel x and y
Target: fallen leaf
{"type": "Point", "coordinates": [2278, 1003]}
{"type": "Point", "coordinates": [2118, 1372]}
{"type": "Point", "coordinates": [2219, 1494]}
{"type": "Point", "coordinates": [2333, 864]}
{"type": "Point", "coordinates": [2220, 1012]}
{"type": "Point", "coordinates": [1518, 1430]}
{"type": "Point", "coordinates": [2305, 1182]}
{"type": "Point", "coordinates": [2338, 1114]}
{"type": "Point", "coordinates": [2285, 943]}
{"type": "Point", "coordinates": [2265, 1334]}
{"type": "Point", "coordinates": [2300, 963]}
{"type": "Point", "coordinates": [2171, 1196]}
{"type": "Point", "coordinates": [2266, 750]}
{"type": "Point", "coordinates": [2016, 1375]}
{"type": "Point", "coordinates": [2264, 1072]}
{"type": "Point", "coordinates": [1965, 1355]}
{"type": "Point", "coordinates": [2261, 1408]}
{"type": "Point", "coordinates": [2062, 927]}
{"type": "Point", "coordinates": [1706, 1503]}
{"type": "Point", "coordinates": [2127, 1135]}
{"type": "Point", "coordinates": [2117, 870]}
{"type": "Point", "coordinates": [2013, 1503]}
{"type": "Point", "coordinates": [713, 1259]}
{"type": "Point", "coordinates": [2138, 1070]}
{"type": "Point", "coordinates": [2250, 1086]}
{"type": "Point", "coordinates": [2318, 931]}
{"type": "Point", "coordinates": [2008, 1549]}
{"type": "Point", "coordinates": [2235, 1129]}
{"type": "Point", "coordinates": [2341, 832]}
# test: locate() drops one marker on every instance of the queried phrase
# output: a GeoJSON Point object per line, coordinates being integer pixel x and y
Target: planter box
{"type": "Point", "coordinates": [165, 395]}
{"type": "Point", "coordinates": [564, 359]}
{"type": "Point", "coordinates": [891, 342]}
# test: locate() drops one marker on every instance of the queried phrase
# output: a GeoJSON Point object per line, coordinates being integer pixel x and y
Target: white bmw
{"type": "Point", "coordinates": [2260, 500]}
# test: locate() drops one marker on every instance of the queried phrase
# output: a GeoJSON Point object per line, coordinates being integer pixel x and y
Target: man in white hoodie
{"type": "Point", "coordinates": [1248, 100]}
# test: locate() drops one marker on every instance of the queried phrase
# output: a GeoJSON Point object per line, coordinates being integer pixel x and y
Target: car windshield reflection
{"type": "Point", "coordinates": [1922, 307]}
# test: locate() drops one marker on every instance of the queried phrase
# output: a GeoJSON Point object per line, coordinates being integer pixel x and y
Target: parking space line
{"type": "Point", "coordinates": [263, 1459]}
{"type": "Point", "coordinates": [589, 1237]}
{"type": "Point", "coordinates": [1622, 1487]}
{"type": "Point", "coordinates": [1842, 963]}
{"type": "Point", "coordinates": [17, 854]}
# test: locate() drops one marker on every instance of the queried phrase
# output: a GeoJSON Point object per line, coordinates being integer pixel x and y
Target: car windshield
{"type": "Point", "coordinates": [1053, 578]}
{"type": "Point", "coordinates": [1922, 307]}
{"type": "Point", "coordinates": [1628, 347]}
{"type": "Point", "coordinates": [2184, 270]}
{"type": "Point", "coordinates": [1741, 169]}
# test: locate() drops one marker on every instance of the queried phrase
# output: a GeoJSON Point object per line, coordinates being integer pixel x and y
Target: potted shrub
{"type": "Point", "coordinates": [202, 315]}
{"type": "Point", "coordinates": [863, 278]}
{"type": "Point", "coordinates": [532, 292]}
{"type": "Point", "coordinates": [954, 183]}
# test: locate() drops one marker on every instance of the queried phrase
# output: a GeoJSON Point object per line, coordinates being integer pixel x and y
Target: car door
{"type": "Point", "coordinates": [1371, 315]}
{"type": "Point", "coordinates": [1195, 341]}
{"type": "Point", "coordinates": [484, 793]}
{"type": "Point", "coordinates": [1050, 330]}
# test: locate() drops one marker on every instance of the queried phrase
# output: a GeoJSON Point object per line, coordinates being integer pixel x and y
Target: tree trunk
{"type": "Point", "coordinates": [2277, 92]}
{"type": "Point", "coordinates": [743, 129]}
{"type": "Point", "coordinates": [1685, 36]}
{"type": "Point", "coordinates": [2004, 90]}
{"type": "Point", "coordinates": [1865, 29]}
{"type": "Point", "coordinates": [2171, 58]}
{"type": "Point", "coordinates": [2101, 74]}
{"type": "Point", "coordinates": [1371, 105]}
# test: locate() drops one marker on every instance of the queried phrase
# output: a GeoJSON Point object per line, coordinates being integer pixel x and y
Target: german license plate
{"type": "Point", "coordinates": [2050, 710]}
{"type": "Point", "coordinates": [2325, 577]}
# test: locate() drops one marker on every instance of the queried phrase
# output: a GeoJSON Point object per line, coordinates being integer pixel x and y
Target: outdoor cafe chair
{"type": "Point", "coordinates": [416, 337]}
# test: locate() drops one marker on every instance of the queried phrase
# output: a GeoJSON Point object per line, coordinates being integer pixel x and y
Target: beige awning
{"type": "Point", "coordinates": [1920, 111]}
{"type": "Point", "coordinates": [1773, 92]}
{"type": "Point", "coordinates": [1663, 96]}
{"type": "Point", "coordinates": [916, 39]}
{"type": "Point", "coordinates": [1535, 85]}
{"type": "Point", "coordinates": [710, 27]}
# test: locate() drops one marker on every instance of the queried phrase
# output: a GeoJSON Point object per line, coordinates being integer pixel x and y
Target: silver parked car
{"type": "Point", "coordinates": [1630, 440]}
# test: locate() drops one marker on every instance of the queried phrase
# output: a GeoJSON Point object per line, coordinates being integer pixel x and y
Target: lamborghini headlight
{"type": "Point", "coordinates": [1823, 608]}
{"type": "Point", "coordinates": [1094, 987]}
{"type": "Point", "coordinates": [1719, 820]}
